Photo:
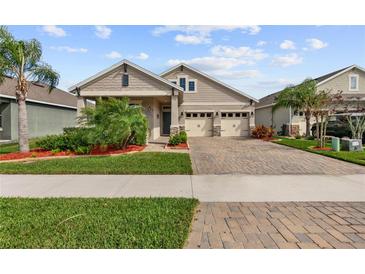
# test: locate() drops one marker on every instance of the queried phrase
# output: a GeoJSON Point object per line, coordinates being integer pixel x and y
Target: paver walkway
{"type": "Point", "coordinates": [279, 225]}
{"type": "Point", "coordinates": [227, 155]}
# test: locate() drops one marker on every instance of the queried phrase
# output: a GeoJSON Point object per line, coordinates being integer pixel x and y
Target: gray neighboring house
{"type": "Point", "coordinates": [350, 80]}
{"type": "Point", "coordinates": [181, 98]}
{"type": "Point", "coordinates": [48, 113]}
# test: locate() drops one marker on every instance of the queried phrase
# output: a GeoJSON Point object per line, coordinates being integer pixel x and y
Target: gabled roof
{"type": "Point", "coordinates": [270, 99]}
{"type": "Point", "coordinates": [119, 64]}
{"type": "Point", "coordinates": [38, 93]}
{"type": "Point", "coordinates": [209, 77]}
{"type": "Point", "coordinates": [322, 79]}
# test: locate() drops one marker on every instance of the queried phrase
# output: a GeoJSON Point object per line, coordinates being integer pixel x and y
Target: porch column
{"type": "Point", "coordinates": [174, 127]}
{"type": "Point", "coordinates": [81, 103]}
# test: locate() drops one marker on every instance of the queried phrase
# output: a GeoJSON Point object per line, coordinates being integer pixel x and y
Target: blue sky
{"type": "Point", "coordinates": [258, 60]}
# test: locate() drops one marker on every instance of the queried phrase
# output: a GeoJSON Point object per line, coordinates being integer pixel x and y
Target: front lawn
{"type": "Point", "coordinates": [136, 163]}
{"type": "Point", "coordinates": [348, 156]}
{"type": "Point", "coordinates": [14, 147]}
{"type": "Point", "coordinates": [95, 222]}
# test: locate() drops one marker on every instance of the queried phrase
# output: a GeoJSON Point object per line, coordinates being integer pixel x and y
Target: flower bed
{"type": "Point", "coordinates": [321, 148]}
{"type": "Point", "coordinates": [34, 153]}
{"type": "Point", "coordinates": [39, 153]}
{"type": "Point", "coordinates": [178, 146]}
{"type": "Point", "coordinates": [110, 150]}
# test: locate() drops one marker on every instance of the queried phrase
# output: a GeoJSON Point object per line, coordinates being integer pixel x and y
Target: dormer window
{"type": "Point", "coordinates": [354, 82]}
{"type": "Point", "coordinates": [125, 80]}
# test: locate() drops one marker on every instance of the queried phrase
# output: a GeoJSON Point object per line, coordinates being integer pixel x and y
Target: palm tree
{"type": "Point", "coordinates": [21, 60]}
{"type": "Point", "coordinates": [300, 97]}
{"type": "Point", "coordinates": [116, 122]}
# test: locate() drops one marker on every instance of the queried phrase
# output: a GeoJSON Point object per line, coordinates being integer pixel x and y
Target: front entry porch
{"type": "Point", "coordinates": [161, 113]}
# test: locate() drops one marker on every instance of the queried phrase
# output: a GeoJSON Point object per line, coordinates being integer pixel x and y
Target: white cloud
{"type": "Point", "coordinates": [275, 83]}
{"type": "Point", "coordinates": [103, 32]}
{"type": "Point", "coordinates": [70, 49]}
{"type": "Point", "coordinates": [287, 60]}
{"type": "Point", "coordinates": [236, 74]}
{"type": "Point", "coordinates": [238, 52]}
{"type": "Point", "coordinates": [142, 56]}
{"type": "Point", "coordinates": [210, 63]}
{"type": "Point", "coordinates": [113, 55]}
{"type": "Point", "coordinates": [315, 43]}
{"type": "Point", "coordinates": [261, 43]}
{"type": "Point", "coordinates": [287, 44]}
{"type": "Point", "coordinates": [195, 35]}
{"type": "Point", "coordinates": [192, 39]}
{"type": "Point", "coordinates": [54, 31]}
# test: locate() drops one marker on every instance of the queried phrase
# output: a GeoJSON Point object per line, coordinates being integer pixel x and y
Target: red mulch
{"type": "Point", "coordinates": [110, 150]}
{"type": "Point", "coordinates": [179, 146]}
{"type": "Point", "coordinates": [38, 153]}
{"type": "Point", "coordinates": [322, 148]}
{"type": "Point", "coordinates": [34, 153]}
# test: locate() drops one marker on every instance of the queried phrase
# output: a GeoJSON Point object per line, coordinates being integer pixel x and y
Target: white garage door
{"type": "Point", "coordinates": [199, 124]}
{"type": "Point", "coordinates": [234, 124]}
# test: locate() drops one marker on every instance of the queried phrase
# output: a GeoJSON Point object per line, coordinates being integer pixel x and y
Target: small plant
{"type": "Point", "coordinates": [55, 151]}
{"type": "Point", "coordinates": [34, 155]}
{"type": "Point", "coordinates": [183, 137]}
{"type": "Point", "coordinates": [261, 132]}
{"type": "Point", "coordinates": [298, 137]}
{"type": "Point", "coordinates": [175, 139]}
{"type": "Point", "coordinates": [310, 138]}
{"type": "Point", "coordinates": [83, 150]}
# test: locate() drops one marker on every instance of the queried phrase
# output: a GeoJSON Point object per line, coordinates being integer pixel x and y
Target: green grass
{"type": "Point", "coordinates": [355, 157]}
{"type": "Point", "coordinates": [95, 222]}
{"type": "Point", "coordinates": [14, 147]}
{"type": "Point", "coordinates": [136, 163]}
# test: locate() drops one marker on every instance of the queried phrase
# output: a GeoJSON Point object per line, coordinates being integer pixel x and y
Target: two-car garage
{"type": "Point", "coordinates": [231, 123]}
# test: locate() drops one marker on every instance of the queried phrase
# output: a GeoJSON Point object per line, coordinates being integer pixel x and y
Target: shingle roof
{"type": "Point", "coordinates": [326, 76]}
{"type": "Point", "coordinates": [40, 93]}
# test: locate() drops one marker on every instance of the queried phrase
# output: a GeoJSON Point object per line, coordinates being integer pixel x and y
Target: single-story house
{"type": "Point", "coordinates": [181, 98]}
{"type": "Point", "coordinates": [349, 80]}
{"type": "Point", "coordinates": [48, 113]}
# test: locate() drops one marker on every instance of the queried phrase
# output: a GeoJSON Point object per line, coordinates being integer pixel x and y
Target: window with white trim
{"type": "Point", "coordinates": [354, 82]}
{"type": "Point", "coordinates": [191, 86]}
{"type": "Point", "coordinates": [182, 83]}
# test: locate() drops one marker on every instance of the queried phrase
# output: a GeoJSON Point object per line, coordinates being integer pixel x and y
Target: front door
{"type": "Point", "coordinates": [166, 123]}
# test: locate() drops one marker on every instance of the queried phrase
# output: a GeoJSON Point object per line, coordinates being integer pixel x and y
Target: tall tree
{"type": "Point", "coordinates": [21, 59]}
{"type": "Point", "coordinates": [301, 97]}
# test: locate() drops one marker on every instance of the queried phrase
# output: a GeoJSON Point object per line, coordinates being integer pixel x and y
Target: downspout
{"type": "Point", "coordinates": [290, 125]}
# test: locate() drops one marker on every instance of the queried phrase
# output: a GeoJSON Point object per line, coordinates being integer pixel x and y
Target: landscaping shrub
{"type": "Point", "coordinates": [115, 122]}
{"type": "Point", "coordinates": [298, 137]}
{"type": "Point", "coordinates": [52, 142]}
{"type": "Point", "coordinates": [83, 150]}
{"type": "Point", "coordinates": [310, 138]}
{"type": "Point", "coordinates": [261, 132]}
{"type": "Point", "coordinates": [175, 139]}
{"type": "Point", "coordinates": [183, 137]}
{"type": "Point", "coordinates": [70, 140]}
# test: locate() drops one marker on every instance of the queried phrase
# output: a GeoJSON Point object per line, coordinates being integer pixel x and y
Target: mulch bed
{"type": "Point", "coordinates": [321, 148]}
{"type": "Point", "coordinates": [111, 150]}
{"type": "Point", "coordinates": [179, 146]}
{"type": "Point", "coordinates": [39, 153]}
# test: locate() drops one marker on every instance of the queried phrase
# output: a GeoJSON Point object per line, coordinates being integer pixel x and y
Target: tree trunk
{"type": "Point", "coordinates": [307, 124]}
{"type": "Point", "coordinates": [22, 125]}
{"type": "Point", "coordinates": [317, 130]}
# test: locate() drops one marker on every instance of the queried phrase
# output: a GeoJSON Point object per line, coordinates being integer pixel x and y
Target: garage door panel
{"type": "Point", "coordinates": [199, 126]}
{"type": "Point", "coordinates": [234, 124]}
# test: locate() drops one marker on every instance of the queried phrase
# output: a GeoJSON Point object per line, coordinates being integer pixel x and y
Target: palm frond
{"type": "Point", "coordinates": [44, 73]}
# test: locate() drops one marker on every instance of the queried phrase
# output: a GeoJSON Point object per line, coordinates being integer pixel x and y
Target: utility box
{"type": "Point", "coordinates": [335, 141]}
{"type": "Point", "coordinates": [351, 144]}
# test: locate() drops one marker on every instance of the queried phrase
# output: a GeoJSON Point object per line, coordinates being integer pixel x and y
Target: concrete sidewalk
{"type": "Point", "coordinates": [206, 188]}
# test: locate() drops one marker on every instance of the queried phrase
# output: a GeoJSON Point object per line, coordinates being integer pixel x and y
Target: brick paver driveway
{"type": "Point", "coordinates": [279, 225]}
{"type": "Point", "coordinates": [226, 155]}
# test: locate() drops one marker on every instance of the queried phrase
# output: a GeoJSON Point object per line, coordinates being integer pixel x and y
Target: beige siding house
{"type": "Point", "coordinates": [349, 80]}
{"type": "Point", "coordinates": [182, 98]}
